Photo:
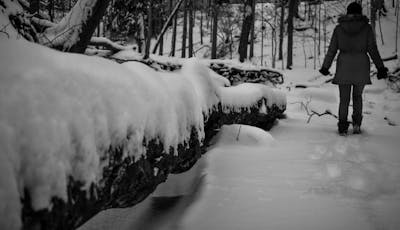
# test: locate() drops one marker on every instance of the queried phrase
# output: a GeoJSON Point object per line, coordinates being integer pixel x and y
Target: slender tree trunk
{"type": "Point", "coordinates": [34, 6]}
{"type": "Point", "coordinates": [173, 39]}
{"type": "Point", "coordinates": [289, 62]}
{"type": "Point", "coordinates": [201, 26]}
{"type": "Point", "coordinates": [166, 24]}
{"type": "Point", "coordinates": [252, 34]}
{"type": "Point", "coordinates": [246, 26]}
{"type": "Point", "coordinates": [149, 31]}
{"type": "Point", "coordinates": [319, 30]}
{"type": "Point", "coordinates": [373, 16]}
{"type": "Point", "coordinates": [315, 37]}
{"type": "Point", "coordinates": [50, 9]}
{"type": "Point", "coordinates": [262, 33]}
{"type": "Point", "coordinates": [325, 18]}
{"type": "Point", "coordinates": [281, 31]}
{"type": "Point", "coordinates": [191, 24]}
{"type": "Point", "coordinates": [397, 26]}
{"type": "Point", "coordinates": [184, 30]}
{"type": "Point", "coordinates": [214, 31]}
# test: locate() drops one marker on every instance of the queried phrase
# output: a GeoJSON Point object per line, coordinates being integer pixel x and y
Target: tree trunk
{"type": "Point", "coordinates": [167, 23]}
{"type": "Point", "coordinates": [149, 31]}
{"type": "Point", "coordinates": [253, 11]}
{"type": "Point", "coordinates": [214, 31]}
{"type": "Point", "coordinates": [73, 32]}
{"type": "Point", "coordinates": [191, 24]}
{"type": "Point", "coordinates": [373, 15]}
{"type": "Point", "coordinates": [173, 39]}
{"type": "Point", "coordinates": [201, 26]}
{"type": "Point", "coordinates": [184, 31]}
{"type": "Point", "coordinates": [50, 9]}
{"type": "Point", "coordinates": [289, 62]}
{"type": "Point", "coordinates": [34, 6]}
{"type": "Point", "coordinates": [246, 26]}
{"type": "Point", "coordinates": [262, 34]}
{"type": "Point", "coordinates": [281, 31]}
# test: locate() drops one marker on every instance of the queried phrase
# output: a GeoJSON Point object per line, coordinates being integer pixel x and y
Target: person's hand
{"type": "Point", "coordinates": [382, 73]}
{"type": "Point", "coordinates": [324, 71]}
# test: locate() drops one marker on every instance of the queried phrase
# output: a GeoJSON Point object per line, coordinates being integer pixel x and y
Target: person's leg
{"type": "Point", "coordinates": [357, 107]}
{"type": "Point", "coordinates": [344, 93]}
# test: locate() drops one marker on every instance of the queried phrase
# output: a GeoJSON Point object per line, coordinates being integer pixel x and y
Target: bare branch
{"type": "Point", "coordinates": [311, 112]}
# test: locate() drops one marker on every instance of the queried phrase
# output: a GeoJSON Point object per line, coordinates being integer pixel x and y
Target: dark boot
{"type": "Point", "coordinates": [357, 124]}
{"type": "Point", "coordinates": [342, 127]}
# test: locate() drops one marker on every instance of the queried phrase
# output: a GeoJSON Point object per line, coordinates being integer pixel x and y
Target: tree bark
{"type": "Point", "coordinates": [50, 9]}
{"type": "Point", "coordinates": [34, 6]}
{"type": "Point", "coordinates": [246, 26]}
{"type": "Point", "coordinates": [201, 26]}
{"type": "Point", "coordinates": [184, 31]}
{"type": "Point", "coordinates": [173, 39]}
{"type": "Point", "coordinates": [289, 62]}
{"type": "Point", "coordinates": [214, 31]}
{"type": "Point", "coordinates": [73, 32]}
{"type": "Point", "coordinates": [252, 34]}
{"type": "Point", "coordinates": [149, 31]}
{"type": "Point", "coordinates": [191, 24]}
{"type": "Point", "coordinates": [281, 31]}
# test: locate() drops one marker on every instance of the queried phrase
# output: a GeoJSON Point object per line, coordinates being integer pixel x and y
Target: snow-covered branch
{"type": "Point", "coordinates": [108, 44]}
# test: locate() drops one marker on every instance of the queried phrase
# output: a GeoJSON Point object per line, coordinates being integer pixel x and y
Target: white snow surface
{"type": "Point", "coordinates": [303, 176]}
{"type": "Point", "coordinates": [299, 175]}
{"type": "Point", "coordinates": [248, 94]}
{"type": "Point", "coordinates": [59, 113]}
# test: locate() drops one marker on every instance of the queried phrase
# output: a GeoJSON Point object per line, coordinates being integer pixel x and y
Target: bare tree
{"type": "Point", "coordinates": [289, 62]}
{"type": "Point", "coordinates": [252, 34]}
{"type": "Point", "coordinates": [246, 26]}
{"type": "Point", "coordinates": [149, 30]}
{"type": "Point", "coordinates": [281, 30]}
{"type": "Point", "coordinates": [184, 30]}
{"type": "Point", "coordinates": [191, 24]}
{"type": "Point", "coordinates": [214, 38]}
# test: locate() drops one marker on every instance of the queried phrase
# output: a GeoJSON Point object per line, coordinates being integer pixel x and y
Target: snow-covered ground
{"type": "Point", "coordinates": [297, 176]}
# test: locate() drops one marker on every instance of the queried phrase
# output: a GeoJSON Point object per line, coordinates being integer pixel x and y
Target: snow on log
{"type": "Point", "coordinates": [82, 134]}
{"type": "Point", "coordinates": [108, 44]}
{"type": "Point", "coordinates": [236, 72]}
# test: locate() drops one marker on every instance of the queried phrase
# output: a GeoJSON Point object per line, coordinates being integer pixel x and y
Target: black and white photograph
{"type": "Point", "coordinates": [199, 115]}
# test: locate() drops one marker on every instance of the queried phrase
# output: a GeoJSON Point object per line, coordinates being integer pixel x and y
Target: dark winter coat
{"type": "Point", "coordinates": [354, 39]}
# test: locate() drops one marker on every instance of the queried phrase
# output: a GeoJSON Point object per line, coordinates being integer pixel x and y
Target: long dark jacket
{"type": "Point", "coordinates": [354, 39]}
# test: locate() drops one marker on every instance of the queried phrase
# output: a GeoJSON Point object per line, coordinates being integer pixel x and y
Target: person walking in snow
{"type": "Point", "coordinates": [354, 38]}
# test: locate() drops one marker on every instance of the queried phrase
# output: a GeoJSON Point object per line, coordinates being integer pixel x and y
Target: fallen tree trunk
{"type": "Point", "coordinates": [128, 181]}
{"type": "Point", "coordinates": [236, 73]}
{"type": "Point", "coordinates": [78, 140]}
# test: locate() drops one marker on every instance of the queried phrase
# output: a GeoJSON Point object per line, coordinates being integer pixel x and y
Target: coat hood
{"type": "Point", "coordinates": [353, 23]}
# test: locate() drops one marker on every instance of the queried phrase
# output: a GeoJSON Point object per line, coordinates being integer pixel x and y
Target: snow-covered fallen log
{"type": "Point", "coordinates": [82, 134]}
{"type": "Point", "coordinates": [235, 72]}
